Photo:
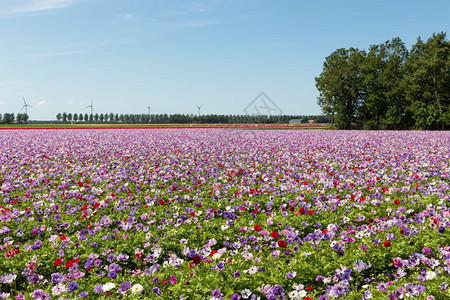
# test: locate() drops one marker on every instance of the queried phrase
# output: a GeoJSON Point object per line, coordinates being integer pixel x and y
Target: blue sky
{"type": "Point", "coordinates": [171, 55]}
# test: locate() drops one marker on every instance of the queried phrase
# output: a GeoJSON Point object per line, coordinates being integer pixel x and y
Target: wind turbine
{"type": "Point", "coordinates": [199, 109]}
{"type": "Point", "coordinates": [91, 106]}
{"type": "Point", "coordinates": [149, 115]}
{"type": "Point", "coordinates": [25, 105]}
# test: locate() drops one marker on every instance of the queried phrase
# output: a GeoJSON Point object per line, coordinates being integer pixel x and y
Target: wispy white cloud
{"type": "Point", "coordinates": [43, 102]}
{"type": "Point", "coordinates": [23, 7]}
{"type": "Point", "coordinates": [70, 102]}
{"type": "Point", "coordinates": [126, 17]}
{"type": "Point", "coordinates": [2, 103]}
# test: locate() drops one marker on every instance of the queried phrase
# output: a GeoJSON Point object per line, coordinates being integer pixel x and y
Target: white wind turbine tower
{"type": "Point", "coordinates": [91, 106]}
{"type": "Point", "coordinates": [25, 105]}
{"type": "Point", "coordinates": [149, 115]}
{"type": "Point", "coordinates": [199, 109]}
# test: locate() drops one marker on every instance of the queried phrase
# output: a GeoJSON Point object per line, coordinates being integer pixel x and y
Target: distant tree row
{"type": "Point", "coordinates": [10, 118]}
{"type": "Point", "coordinates": [388, 86]}
{"type": "Point", "coordinates": [181, 118]}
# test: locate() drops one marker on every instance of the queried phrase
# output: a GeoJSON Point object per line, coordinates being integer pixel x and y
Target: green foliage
{"type": "Point", "coordinates": [388, 87]}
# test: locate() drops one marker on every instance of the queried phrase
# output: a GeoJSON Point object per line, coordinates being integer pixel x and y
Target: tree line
{"type": "Point", "coordinates": [388, 86]}
{"type": "Point", "coordinates": [110, 118]}
{"type": "Point", "coordinates": [10, 118]}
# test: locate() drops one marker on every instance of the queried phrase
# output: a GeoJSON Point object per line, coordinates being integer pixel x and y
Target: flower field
{"type": "Point", "coordinates": [224, 214]}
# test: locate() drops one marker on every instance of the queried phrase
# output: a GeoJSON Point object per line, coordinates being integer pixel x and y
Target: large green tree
{"type": "Point", "coordinates": [341, 86]}
{"type": "Point", "coordinates": [427, 82]}
{"type": "Point", "coordinates": [385, 104]}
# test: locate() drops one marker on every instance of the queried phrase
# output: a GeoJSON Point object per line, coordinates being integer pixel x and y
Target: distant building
{"type": "Point", "coordinates": [295, 121]}
{"type": "Point", "coordinates": [311, 121]}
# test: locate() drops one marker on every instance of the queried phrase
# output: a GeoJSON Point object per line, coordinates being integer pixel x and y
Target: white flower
{"type": "Point", "coordinates": [252, 270]}
{"type": "Point", "coordinates": [246, 293]}
{"type": "Point", "coordinates": [58, 289]}
{"type": "Point", "coordinates": [216, 256]}
{"type": "Point", "coordinates": [108, 286]}
{"type": "Point", "coordinates": [430, 275]}
{"type": "Point", "coordinates": [294, 295]}
{"type": "Point", "coordinates": [137, 289]}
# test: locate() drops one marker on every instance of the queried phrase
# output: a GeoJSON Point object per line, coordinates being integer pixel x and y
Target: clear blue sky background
{"type": "Point", "coordinates": [173, 54]}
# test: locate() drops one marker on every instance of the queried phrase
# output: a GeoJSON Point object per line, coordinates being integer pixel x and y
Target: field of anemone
{"type": "Point", "coordinates": [224, 214]}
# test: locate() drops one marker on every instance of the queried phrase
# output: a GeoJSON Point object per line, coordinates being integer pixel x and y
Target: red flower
{"type": "Point", "coordinates": [212, 253]}
{"type": "Point", "coordinates": [196, 259]}
{"type": "Point", "coordinates": [309, 288]}
{"type": "Point", "coordinates": [57, 262]}
{"type": "Point", "coordinates": [397, 202]}
{"type": "Point", "coordinates": [274, 234]}
{"type": "Point", "coordinates": [164, 282]}
{"type": "Point", "coordinates": [291, 208]}
{"type": "Point", "coordinates": [257, 227]}
{"type": "Point", "coordinates": [63, 238]}
{"type": "Point", "coordinates": [69, 263]}
{"type": "Point", "coordinates": [310, 212]}
{"type": "Point", "coordinates": [282, 243]}
{"type": "Point", "coordinates": [387, 244]}
{"type": "Point", "coordinates": [161, 201]}
{"type": "Point", "coordinates": [307, 298]}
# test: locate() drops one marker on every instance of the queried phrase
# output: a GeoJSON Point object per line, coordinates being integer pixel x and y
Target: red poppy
{"type": "Point", "coordinates": [282, 243]}
{"type": "Point", "coordinates": [257, 227]}
{"type": "Point", "coordinates": [387, 244]}
{"type": "Point", "coordinates": [274, 234]}
{"type": "Point", "coordinates": [69, 263]}
{"type": "Point", "coordinates": [57, 262]}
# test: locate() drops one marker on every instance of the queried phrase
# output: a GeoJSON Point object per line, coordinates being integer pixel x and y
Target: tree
{"type": "Point", "coordinates": [64, 117]}
{"type": "Point", "coordinates": [69, 117]}
{"type": "Point", "coordinates": [8, 118]}
{"type": "Point", "coordinates": [384, 105]}
{"type": "Point", "coordinates": [340, 86]}
{"type": "Point", "coordinates": [58, 117]}
{"type": "Point", "coordinates": [102, 118]}
{"type": "Point", "coordinates": [427, 82]}
{"type": "Point", "coordinates": [75, 117]}
{"type": "Point", "coordinates": [96, 117]}
{"type": "Point", "coordinates": [86, 118]}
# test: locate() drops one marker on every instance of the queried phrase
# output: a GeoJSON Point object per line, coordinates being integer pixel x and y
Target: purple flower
{"type": "Point", "coordinates": [125, 286]}
{"type": "Point", "coordinates": [33, 279]}
{"type": "Point", "coordinates": [83, 294]}
{"type": "Point", "coordinates": [339, 249]}
{"type": "Point", "coordinates": [57, 278]}
{"type": "Point", "coordinates": [156, 290]}
{"type": "Point", "coordinates": [337, 291]}
{"type": "Point", "coordinates": [72, 286]}
{"type": "Point", "coordinates": [98, 289]}
{"type": "Point", "coordinates": [276, 292]}
{"type": "Point", "coordinates": [216, 293]}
